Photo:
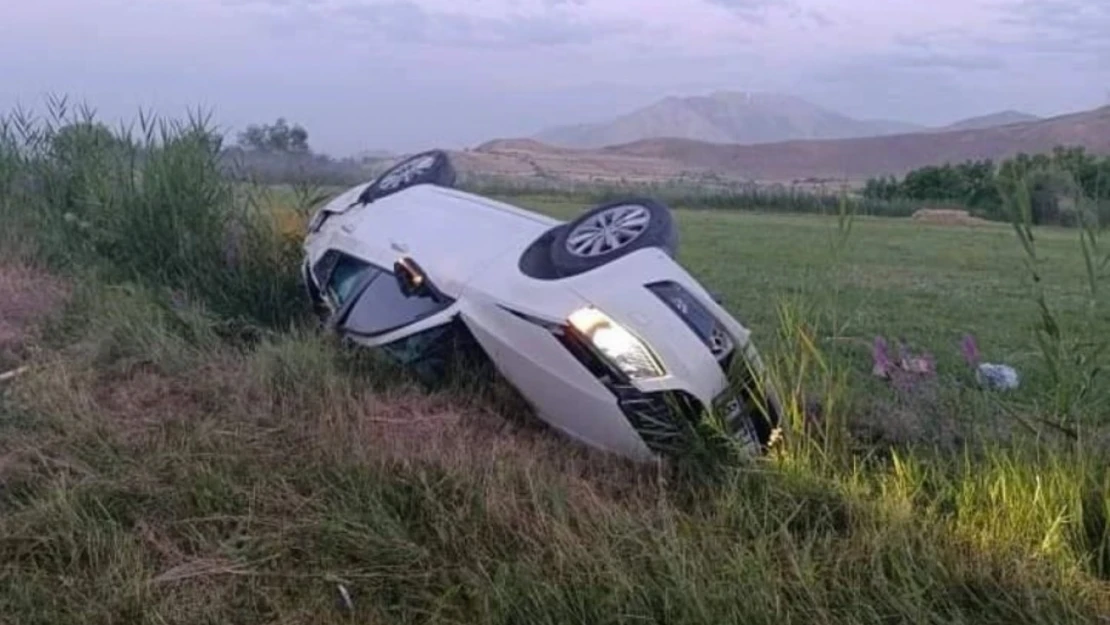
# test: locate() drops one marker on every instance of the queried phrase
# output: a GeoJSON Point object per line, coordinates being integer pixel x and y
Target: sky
{"type": "Point", "coordinates": [414, 74]}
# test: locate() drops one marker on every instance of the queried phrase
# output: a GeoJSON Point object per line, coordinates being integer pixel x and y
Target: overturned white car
{"type": "Point", "coordinates": [610, 340]}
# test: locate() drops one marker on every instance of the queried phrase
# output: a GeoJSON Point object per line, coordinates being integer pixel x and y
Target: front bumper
{"type": "Point", "coordinates": [666, 418]}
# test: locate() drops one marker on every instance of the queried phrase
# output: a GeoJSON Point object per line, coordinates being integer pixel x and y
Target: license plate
{"type": "Point", "coordinates": [734, 411]}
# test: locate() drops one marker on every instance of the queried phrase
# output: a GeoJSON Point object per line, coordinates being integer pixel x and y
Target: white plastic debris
{"type": "Point", "coordinates": [1003, 377]}
{"type": "Point", "coordinates": [11, 375]}
{"type": "Point", "coordinates": [345, 597]}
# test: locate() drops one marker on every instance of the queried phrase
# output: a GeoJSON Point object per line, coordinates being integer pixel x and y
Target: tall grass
{"type": "Point", "coordinates": [1076, 357]}
{"type": "Point", "coordinates": [148, 204]}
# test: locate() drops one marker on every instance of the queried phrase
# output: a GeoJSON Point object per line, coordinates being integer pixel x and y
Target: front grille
{"type": "Point", "coordinates": [697, 317]}
{"type": "Point", "coordinates": [664, 420]}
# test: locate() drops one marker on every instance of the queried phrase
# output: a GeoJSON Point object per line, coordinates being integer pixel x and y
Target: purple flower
{"type": "Point", "coordinates": [970, 350]}
{"type": "Point", "coordinates": [881, 358]}
{"type": "Point", "coordinates": [904, 354]}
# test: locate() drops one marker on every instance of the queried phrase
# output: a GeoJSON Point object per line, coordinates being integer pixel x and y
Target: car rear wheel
{"type": "Point", "coordinates": [431, 167]}
{"type": "Point", "coordinates": [612, 230]}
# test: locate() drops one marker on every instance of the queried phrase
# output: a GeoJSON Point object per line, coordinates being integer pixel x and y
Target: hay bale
{"type": "Point", "coordinates": [947, 217]}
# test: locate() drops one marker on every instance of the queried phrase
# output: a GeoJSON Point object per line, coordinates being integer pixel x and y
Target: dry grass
{"type": "Point", "coordinates": [27, 296]}
{"type": "Point", "coordinates": [321, 412]}
{"type": "Point", "coordinates": [948, 217]}
{"type": "Point", "coordinates": [290, 223]}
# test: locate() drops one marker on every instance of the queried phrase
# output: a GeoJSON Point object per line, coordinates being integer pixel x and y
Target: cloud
{"type": "Point", "coordinates": [1074, 17]}
{"type": "Point", "coordinates": [821, 18]}
{"type": "Point", "coordinates": [270, 3]}
{"type": "Point", "coordinates": [546, 23]}
{"type": "Point", "coordinates": [1080, 27]}
{"type": "Point", "coordinates": [754, 11]}
{"type": "Point", "coordinates": [940, 60]}
{"type": "Point", "coordinates": [942, 49]}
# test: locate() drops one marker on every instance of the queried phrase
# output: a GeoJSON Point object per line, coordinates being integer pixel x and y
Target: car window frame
{"type": "Point", "coordinates": [376, 272]}
{"type": "Point", "coordinates": [368, 273]}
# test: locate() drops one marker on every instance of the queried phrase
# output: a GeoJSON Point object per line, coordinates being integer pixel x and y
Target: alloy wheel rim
{"type": "Point", "coordinates": [608, 231]}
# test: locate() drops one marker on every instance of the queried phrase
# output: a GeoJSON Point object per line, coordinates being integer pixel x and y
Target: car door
{"type": "Point", "coordinates": [369, 307]}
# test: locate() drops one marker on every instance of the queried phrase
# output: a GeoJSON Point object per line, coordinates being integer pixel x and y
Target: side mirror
{"type": "Point", "coordinates": [410, 277]}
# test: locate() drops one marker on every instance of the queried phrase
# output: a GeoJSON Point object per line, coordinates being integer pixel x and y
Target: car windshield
{"type": "Point", "coordinates": [382, 306]}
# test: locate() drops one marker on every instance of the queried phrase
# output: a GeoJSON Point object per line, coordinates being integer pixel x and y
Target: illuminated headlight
{"type": "Point", "coordinates": [618, 345]}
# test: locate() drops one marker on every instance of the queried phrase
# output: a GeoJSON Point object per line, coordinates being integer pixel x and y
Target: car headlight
{"type": "Point", "coordinates": [628, 353]}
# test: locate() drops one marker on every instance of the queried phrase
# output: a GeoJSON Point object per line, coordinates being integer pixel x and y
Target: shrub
{"type": "Point", "coordinates": [154, 207]}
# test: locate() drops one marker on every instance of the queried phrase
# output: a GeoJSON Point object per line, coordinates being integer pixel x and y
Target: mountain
{"type": "Point", "coordinates": [870, 156]}
{"type": "Point", "coordinates": [723, 117]}
{"type": "Point", "coordinates": [1002, 118]}
{"type": "Point", "coordinates": [851, 159]}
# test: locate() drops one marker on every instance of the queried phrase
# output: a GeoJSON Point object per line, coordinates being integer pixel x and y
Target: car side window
{"type": "Point", "coordinates": [381, 307]}
{"type": "Point", "coordinates": [345, 277]}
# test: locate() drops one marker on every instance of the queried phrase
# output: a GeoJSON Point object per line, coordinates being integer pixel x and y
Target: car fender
{"type": "Point", "coordinates": [562, 391]}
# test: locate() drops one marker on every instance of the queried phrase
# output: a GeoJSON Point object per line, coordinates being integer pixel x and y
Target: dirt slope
{"type": "Point", "coordinates": [27, 296]}
{"type": "Point", "coordinates": [527, 159]}
{"type": "Point", "coordinates": [1002, 118]}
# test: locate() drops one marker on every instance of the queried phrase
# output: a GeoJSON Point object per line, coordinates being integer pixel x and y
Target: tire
{"type": "Point", "coordinates": [648, 223]}
{"type": "Point", "coordinates": [431, 167]}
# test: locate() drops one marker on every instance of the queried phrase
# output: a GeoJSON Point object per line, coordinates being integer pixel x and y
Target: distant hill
{"type": "Point", "coordinates": [374, 155]}
{"type": "Point", "coordinates": [1002, 118]}
{"type": "Point", "coordinates": [897, 154]}
{"type": "Point", "coordinates": [851, 159]}
{"type": "Point", "coordinates": [723, 117]}
{"type": "Point", "coordinates": [747, 118]}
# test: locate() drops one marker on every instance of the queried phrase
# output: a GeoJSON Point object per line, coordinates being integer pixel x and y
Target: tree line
{"type": "Point", "coordinates": [279, 153]}
{"type": "Point", "coordinates": [1063, 185]}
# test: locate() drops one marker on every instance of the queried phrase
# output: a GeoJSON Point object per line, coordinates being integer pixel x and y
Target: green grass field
{"type": "Point", "coordinates": [186, 447]}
